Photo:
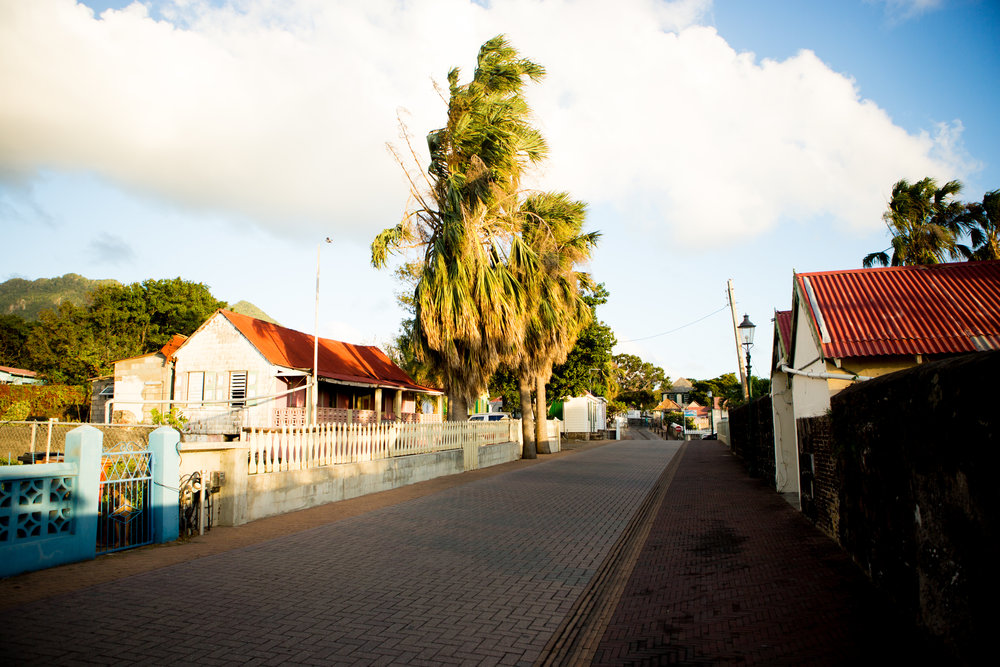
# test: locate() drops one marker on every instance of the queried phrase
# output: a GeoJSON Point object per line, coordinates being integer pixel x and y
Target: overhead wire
{"type": "Point", "coordinates": [683, 326]}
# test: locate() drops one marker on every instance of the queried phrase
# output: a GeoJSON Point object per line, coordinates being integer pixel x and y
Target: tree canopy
{"type": "Point", "coordinates": [590, 364]}
{"type": "Point", "coordinates": [982, 221]}
{"type": "Point", "coordinates": [72, 343]}
{"type": "Point", "coordinates": [927, 223]}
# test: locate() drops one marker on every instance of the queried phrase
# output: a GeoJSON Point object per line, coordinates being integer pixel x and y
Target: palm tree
{"type": "Point", "coordinates": [982, 220]}
{"type": "Point", "coordinates": [551, 227]}
{"type": "Point", "coordinates": [468, 306]}
{"type": "Point", "coordinates": [924, 222]}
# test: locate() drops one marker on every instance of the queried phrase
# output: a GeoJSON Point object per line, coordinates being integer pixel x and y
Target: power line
{"type": "Point", "coordinates": [683, 326]}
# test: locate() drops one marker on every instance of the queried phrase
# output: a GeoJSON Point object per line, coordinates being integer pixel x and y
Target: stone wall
{"type": "Point", "coordinates": [917, 453]}
{"type": "Point", "coordinates": [751, 433]}
{"type": "Point", "coordinates": [820, 476]}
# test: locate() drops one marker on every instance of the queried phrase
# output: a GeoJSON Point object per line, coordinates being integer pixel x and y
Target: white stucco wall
{"type": "Point", "coordinates": [786, 455]}
{"type": "Point", "coordinates": [811, 396]}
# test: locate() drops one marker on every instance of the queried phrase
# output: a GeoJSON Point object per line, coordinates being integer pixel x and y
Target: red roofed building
{"type": "Point", "coordinates": [9, 375]}
{"type": "Point", "coordinates": [236, 371]}
{"type": "Point", "coordinates": [849, 326]}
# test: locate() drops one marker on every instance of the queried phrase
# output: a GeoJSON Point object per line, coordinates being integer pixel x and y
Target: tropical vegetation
{"type": "Point", "coordinates": [927, 223]}
{"type": "Point", "coordinates": [72, 343]}
{"type": "Point", "coordinates": [493, 278]}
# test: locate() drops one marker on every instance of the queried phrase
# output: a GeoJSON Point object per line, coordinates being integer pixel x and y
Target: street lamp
{"type": "Point", "coordinates": [315, 389]}
{"type": "Point", "coordinates": [747, 329]}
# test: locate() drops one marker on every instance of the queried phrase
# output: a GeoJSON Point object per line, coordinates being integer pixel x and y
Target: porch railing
{"type": "Point", "coordinates": [296, 417]}
{"type": "Point", "coordinates": [276, 450]}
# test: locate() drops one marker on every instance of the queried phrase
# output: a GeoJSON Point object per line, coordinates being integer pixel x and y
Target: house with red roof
{"type": "Point", "coordinates": [850, 326]}
{"type": "Point", "coordinates": [10, 375]}
{"type": "Point", "coordinates": [236, 372]}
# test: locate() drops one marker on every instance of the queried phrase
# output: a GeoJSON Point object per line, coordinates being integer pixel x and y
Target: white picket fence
{"type": "Point", "coordinates": [287, 448]}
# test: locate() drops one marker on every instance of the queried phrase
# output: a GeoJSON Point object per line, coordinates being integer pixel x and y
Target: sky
{"type": "Point", "coordinates": [222, 142]}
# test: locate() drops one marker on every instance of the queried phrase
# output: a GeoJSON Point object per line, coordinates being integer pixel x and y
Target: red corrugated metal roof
{"type": "Point", "coordinates": [783, 318]}
{"type": "Point", "coordinates": [175, 342]}
{"type": "Point", "coordinates": [908, 310]}
{"type": "Point", "coordinates": [281, 346]}
{"type": "Point", "coordinates": [18, 371]}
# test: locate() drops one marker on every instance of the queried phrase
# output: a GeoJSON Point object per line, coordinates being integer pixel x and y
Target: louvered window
{"type": "Point", "coordinates": [238, 388]}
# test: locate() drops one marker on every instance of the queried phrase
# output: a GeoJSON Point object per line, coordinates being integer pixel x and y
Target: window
{"type": "Point", "coordinates": [238, 389]}
{"type": "Point", "coordinates": [196, 386]}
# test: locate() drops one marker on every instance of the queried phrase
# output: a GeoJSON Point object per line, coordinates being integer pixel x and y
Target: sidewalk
{"type": "Point", "coordinates": [732, 575]}
{"type": "Point", "coordinates": [632, 552]}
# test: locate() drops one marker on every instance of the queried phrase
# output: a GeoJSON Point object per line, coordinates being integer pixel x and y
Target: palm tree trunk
{"type": "Point", "coordinates": [458, 407]}
{"type": "Point", "coordinates": [528, 450]}
{"type": "Point", "coordinates": [541, 418]}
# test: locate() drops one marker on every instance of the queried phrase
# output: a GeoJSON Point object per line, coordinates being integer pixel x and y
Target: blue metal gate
{"type": "Point", "coordinates": [125, 518]}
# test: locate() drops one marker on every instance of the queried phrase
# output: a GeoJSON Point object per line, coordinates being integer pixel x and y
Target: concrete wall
{"type": "Point", "coordinates": [243, 498]}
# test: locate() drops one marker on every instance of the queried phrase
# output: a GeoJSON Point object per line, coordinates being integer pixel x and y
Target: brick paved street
{"type": "Point", "coordinates": [639, 552]}
{"type": "Point", "coordinates": [478, 574]}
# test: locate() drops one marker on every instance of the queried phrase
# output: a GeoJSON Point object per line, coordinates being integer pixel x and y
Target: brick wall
{"type": "Point", "coordinates": [751, 430]}
{"type": "Point", "coordinates": [820, 477]}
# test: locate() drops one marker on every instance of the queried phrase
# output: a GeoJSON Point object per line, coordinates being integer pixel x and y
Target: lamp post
{"type": "Point", "coordinates": [747, 329]}
{"type": "Point", "coordinates": [711, 412]}
{"type": "Point", "coordinates": [315, 388]}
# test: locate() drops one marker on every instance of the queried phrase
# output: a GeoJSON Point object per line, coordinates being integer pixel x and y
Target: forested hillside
{"type": "Point", "coordinates": [28, 298]}
{"type": "Point", "coordinates": [78, 327]}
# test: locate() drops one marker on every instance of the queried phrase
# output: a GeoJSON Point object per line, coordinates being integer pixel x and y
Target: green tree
{"type": "Point", "coordinates": [14, 333]}
{"type": "Point", "coordinates": [589, 365]}
{"type": "Point", "coordinates": [62, 346]}
{"type": "Point", "coordinates": [639, 381]}
{"type": "Point", "coordinates": [982, 221]}
{"type": "Point", "coordinates": [725, 386]}
{"type": "Point", "coordinates": [469, 307]}
{"type": "Point", "coordinates": [135, 319]}
{"type": "Point", "coordinates": [924, 221]}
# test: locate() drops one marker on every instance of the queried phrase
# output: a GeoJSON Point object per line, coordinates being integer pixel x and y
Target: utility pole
{"type": "Point", "coordinates": [744, 380]}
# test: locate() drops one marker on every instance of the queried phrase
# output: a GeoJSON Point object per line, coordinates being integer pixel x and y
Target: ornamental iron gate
{"type": "Point", "coordinates": [124, 513]}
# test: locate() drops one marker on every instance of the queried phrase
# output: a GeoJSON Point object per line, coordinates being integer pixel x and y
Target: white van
{"type": "Point", "coordinates": [489, 417]}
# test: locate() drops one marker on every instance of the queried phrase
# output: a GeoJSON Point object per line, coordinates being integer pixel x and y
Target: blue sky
{"type": "Point", "coordinates": [220, 142]}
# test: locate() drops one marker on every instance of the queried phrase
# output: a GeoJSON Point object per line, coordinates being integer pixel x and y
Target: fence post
{"type": "Point", "coordinates": [165, 495]}
{"type": "Point", "coordinates": [84, 445]}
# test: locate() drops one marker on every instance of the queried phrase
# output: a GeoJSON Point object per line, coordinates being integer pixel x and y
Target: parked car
{"type": "Point", "coordinates": [489, 417]}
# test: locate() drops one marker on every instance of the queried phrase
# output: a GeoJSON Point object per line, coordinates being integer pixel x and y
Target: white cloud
{"type": "Point", "coordinates": [904, 10]}
{"type": "Point", "coordinates": [280, 111]}
{"type": "Point", "coordinates": [110, 249]}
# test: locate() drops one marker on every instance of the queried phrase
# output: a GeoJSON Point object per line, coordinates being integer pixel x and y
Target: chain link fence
{"type": "Point", "coordinates": [35, 439]}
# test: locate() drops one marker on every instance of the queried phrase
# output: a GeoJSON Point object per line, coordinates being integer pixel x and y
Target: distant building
{"type": "Point", "coordinates": [10, 375]}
